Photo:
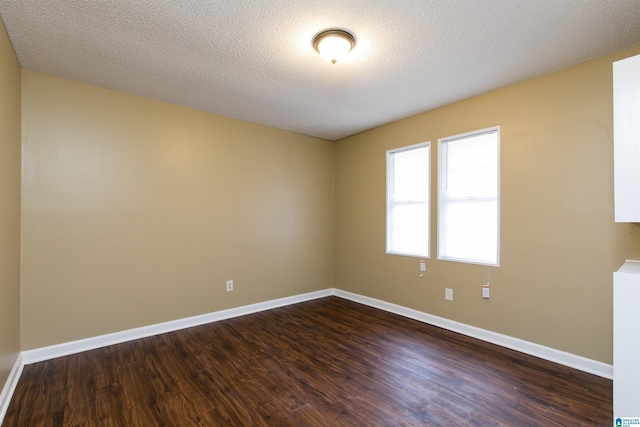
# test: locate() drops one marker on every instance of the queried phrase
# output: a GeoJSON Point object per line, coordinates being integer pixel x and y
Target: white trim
{"type": "Point", "coordinates": [558, 356]}
{"type": "Point", "coordinates": [533, 349]}
{"type": "Point", "coordinates": [46, 353]}
{"type": "Point", "coordinates": [64, 349]}
{"type": "Point", "coordinates": [10, 386]}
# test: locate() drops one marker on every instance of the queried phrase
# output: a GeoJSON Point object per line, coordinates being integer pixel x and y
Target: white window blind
{"type": "Point", "coordinates": [408, 200]}
{"type": "Point", "coordinates": [469, 197]}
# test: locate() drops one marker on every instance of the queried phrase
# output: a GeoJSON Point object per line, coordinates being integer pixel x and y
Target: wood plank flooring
{"type": "Point", "coordinates": [328, 362]}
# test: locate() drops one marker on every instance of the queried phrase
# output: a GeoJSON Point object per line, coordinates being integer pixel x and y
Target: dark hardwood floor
{"type": "Point", "coordinates": [328, 362]}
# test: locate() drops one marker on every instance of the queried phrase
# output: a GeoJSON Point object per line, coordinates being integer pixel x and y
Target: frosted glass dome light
{"type": "Point", "coordinates": [334, 45]}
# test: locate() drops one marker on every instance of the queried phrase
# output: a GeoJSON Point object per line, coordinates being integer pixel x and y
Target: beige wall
{"type": "Point", "coordinates": [137, 212]}
{"type": "Point", "coordinates": [9, 206]}
{"type": "Point", "coordinates": [559, 243]}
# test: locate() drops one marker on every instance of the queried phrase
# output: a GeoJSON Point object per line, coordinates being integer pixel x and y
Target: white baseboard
{"type": "Point", "coordinates": [64, 349]}
{"type": "Point", "coordinates": [547, 353]}
{"type": "Point", "coordinates": [10, 386]}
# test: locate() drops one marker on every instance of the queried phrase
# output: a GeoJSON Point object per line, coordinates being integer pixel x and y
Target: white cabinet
{"type": "Point", "coordinates": [626, 139]}
{"type": "Point", "coordinates": [626, 340]}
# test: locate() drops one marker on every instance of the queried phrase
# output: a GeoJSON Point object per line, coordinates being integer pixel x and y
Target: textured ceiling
{"type": "Point", "coordinates": [254, 59]}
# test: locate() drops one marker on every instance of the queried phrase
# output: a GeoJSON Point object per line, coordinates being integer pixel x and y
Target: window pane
{"type": "Point", "coordinates": [410, 180]}
{"type": "Point", "coordinates": [469, 230]}
{"type": "Point", "coordinates": [471, 167]}
{"type": "Point", "coordinates": [409, 228]}
{"type": "Point", "coordinates": [468, 195]}
{"type": "Point", "coordinates": [408, 201]}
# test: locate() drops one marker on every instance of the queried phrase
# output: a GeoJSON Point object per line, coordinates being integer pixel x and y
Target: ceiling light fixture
{"type": "Point", "coordinates": [334, 44]}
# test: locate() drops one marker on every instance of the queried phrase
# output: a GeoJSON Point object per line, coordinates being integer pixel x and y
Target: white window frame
{"type": "Point", "coordinates": [390, 201]}
{"type": "Point", "coordinates": [442, 181]}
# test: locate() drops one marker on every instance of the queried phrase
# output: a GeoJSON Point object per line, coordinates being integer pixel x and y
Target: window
{"type": "Point", "coordinates": [408, 200]}
{"type": "Point", "coordinates": [469, 197]}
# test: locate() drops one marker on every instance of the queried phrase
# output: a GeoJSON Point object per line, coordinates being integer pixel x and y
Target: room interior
{"type": "Point", "coordinates": [120, 211]}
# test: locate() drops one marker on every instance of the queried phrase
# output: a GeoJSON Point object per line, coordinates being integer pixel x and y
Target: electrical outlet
{"type": "Point", "coordinates": [448, 294]}
{"type": "Point", "coordinates": [229, 285]}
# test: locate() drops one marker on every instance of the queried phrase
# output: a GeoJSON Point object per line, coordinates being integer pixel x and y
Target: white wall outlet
{"type": "Point", "coordinates": [485, 291]}
{"type": "Point", "coordinates": [448, 294]}
{"type": "Point", "coordinates": [229, 285]}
